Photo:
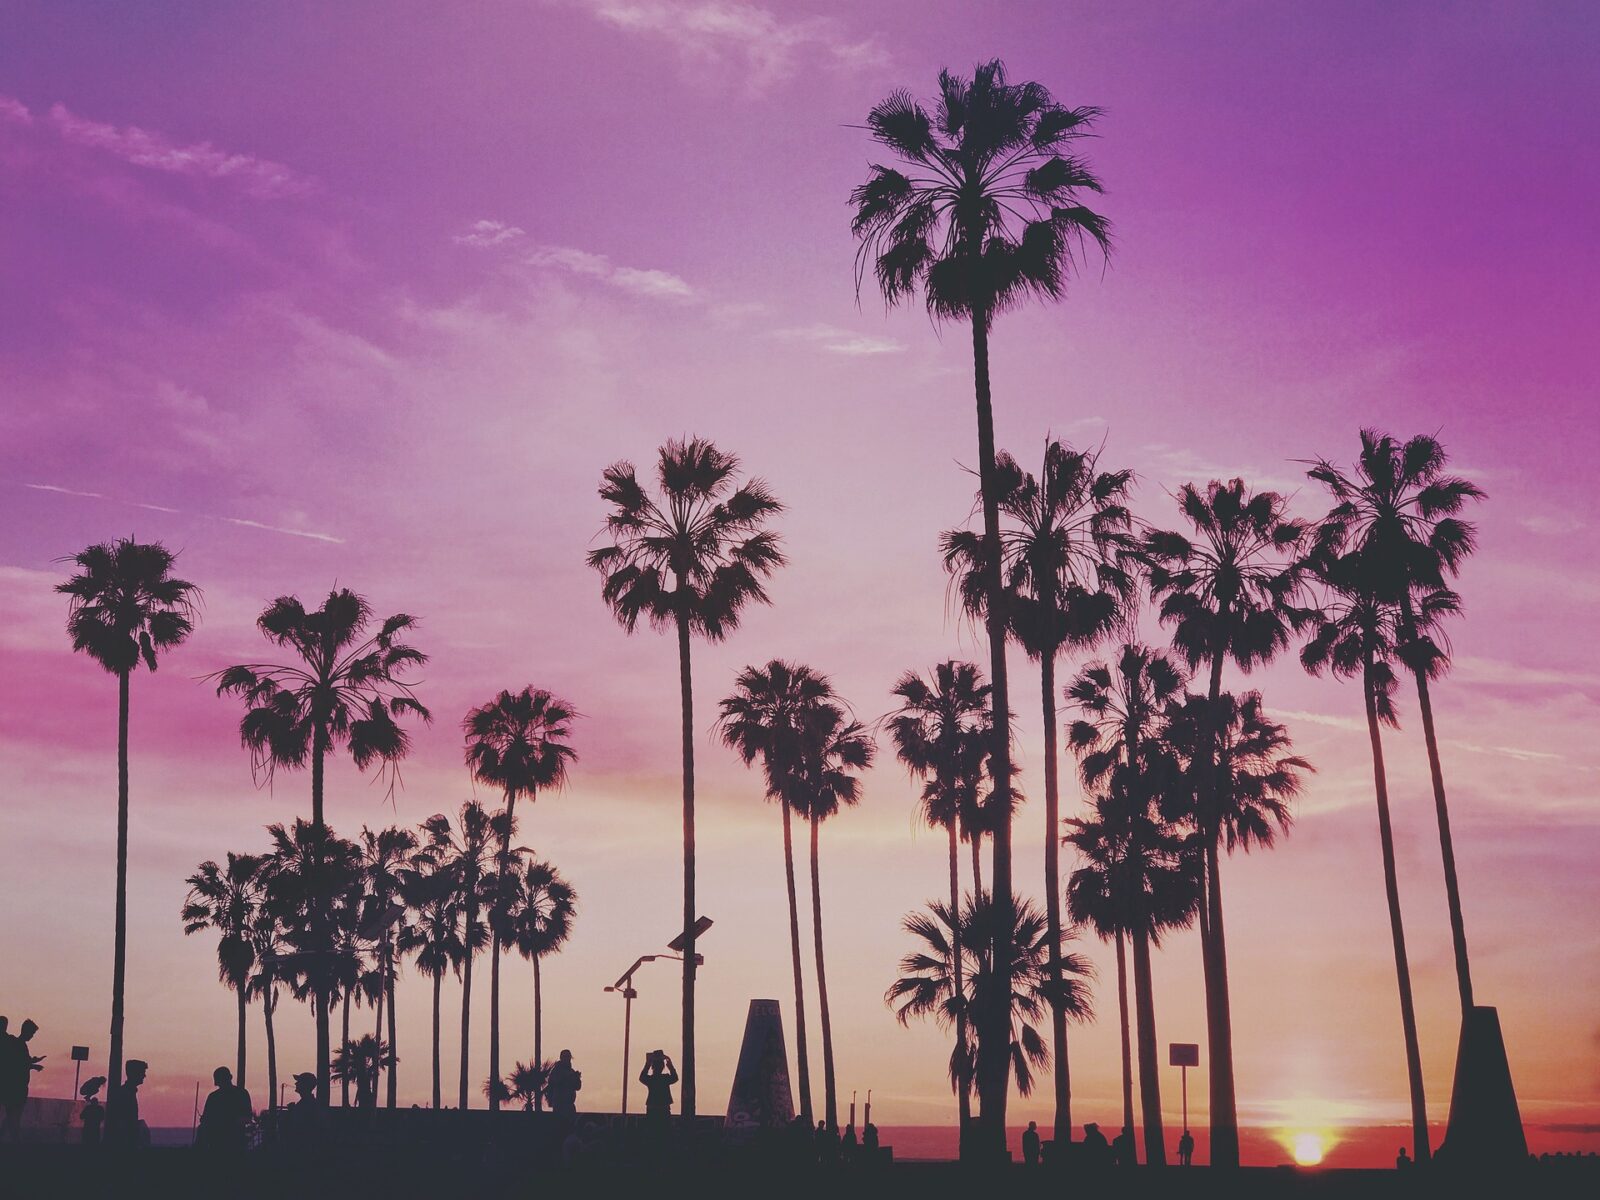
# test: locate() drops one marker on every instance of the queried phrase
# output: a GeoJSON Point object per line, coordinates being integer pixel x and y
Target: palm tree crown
{"type": "Point", "coordinates": [518, 741]}
{"type": "Point", "coordinates": [126, 605]}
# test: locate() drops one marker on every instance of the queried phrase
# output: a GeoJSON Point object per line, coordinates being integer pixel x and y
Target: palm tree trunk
{"type": "Point", "coordinates": [802, 1055]}
{"type": "Point", "coordinates": [239, 1075]}
{"type": "Point", "coordinates": [964, 1081]}
{"type": "Point", "coordinates": [465, 1097]}
{"type": "Point", "coordinates": [686, 688]}
{"type": "Point", "coordinates": [268, 1003]}
{"type": "Point", "coordinates": [829, 1093]}
{"type": "Point", "coordinates": [344, 1039]}
{"type": "Point", "coordinates": [977, 864]}
{"type": "Point", "coordinates": [1127, 1036]}
{"type": "Point", "coordinates": [1052, 895]}
{"type": "Point", "coordinates": [119, 950]}
{"type": "Point", "coordinates": [438, 984]}
{"type": "Point", "coordinates": [538, 1030]}
{"type": "Point", "coordinates": [319, 750]}
{"type": "Point", "coordinates": [394, 1045]}
{"type": "Point", "coordinates": [1219, 1008]}
{"type": "Point", "coordinates": [494, 962]}
{"type": "Point", "coordinates": [1447, 848]}
{"type": "Point", "coordinates": [1402, 968]}
{"type": "Point", "coordinates": [1155, 1146]}
{"type": "Point", "coordinates": [994, 1035]}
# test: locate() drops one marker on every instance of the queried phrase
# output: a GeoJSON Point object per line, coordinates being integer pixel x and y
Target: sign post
{"type": "Point", "coordinates": [1185, 1055]}
{"type": "Point", "coordinates": [80, 1055]}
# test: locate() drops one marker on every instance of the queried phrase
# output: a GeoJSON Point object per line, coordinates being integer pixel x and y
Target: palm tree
{"type": "Point", "coordinates": [386, 855]}
{"type": "Point", "coordinates": [348, 962]}
{"type": "Point", "coordinates": [987, 213]}
{"type": "Point", "coordinates": [1065, 543]}
{"type": "Point", "coordinates": [820, 782]}
{"type": "Point", "coordinates": [359, 1062]}
{"type": "Point", "coordinates": [228, 900]}
{"type": "Point", "coordinates": [765, 718]}
{"type": "Point", "coordinates": [1357, 634]}
{"type": "Point", "coordinates": [927, 985]}
{"type": "Point", "coordinates": [516, 742]}
{"type": "Point", "coordinates": [267, 947]}
{"type": "Point", "coordinates": [344, 685]}
{"type": "Point", "coordinates": [1227, 593]}
{"type": "Point", "coordinates": [539, 923]}
{"type": "Point", "coordinates": [1399, 509]}
{"type": "Point", "coordinates": [125, 608]}
{"type": "Point", "coordinates": [308, 868]}
{"type": "Point", "coordinates": [463, 853]}
{"type": "Point", "coordinates": [690, 560]}
{"type": "Point", "coordinates": [430, 892]}
{"type": "Point", "coordinates": [526, 1083]}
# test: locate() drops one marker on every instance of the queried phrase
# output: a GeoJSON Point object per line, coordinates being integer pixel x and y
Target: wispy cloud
{"type": "Point", "coordinates": [835, 340]}
{"type": "Point", "coordinates": [486, 233]}
{"type": "Point", "coordinates": [1551, 526]}
{"type": "Point", "coordinates": [769, 46]}
{"type": "Point", "coordinates": [1349, 724]}
{"type": "Point", "coordinates": [246, 522]}
{"type": "Point", "coordinates": [143, 148]}
{"type": "Point", "coordinates": [647, 283]}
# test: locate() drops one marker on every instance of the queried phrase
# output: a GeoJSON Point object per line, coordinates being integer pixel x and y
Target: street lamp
{"type": "Point", "coordinates": [624, 987]}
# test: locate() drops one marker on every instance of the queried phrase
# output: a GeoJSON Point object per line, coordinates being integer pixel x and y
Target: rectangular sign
{"type": "Point", "coordinates": [1185, 1054]}
{"type": "Point", "coordinates": [80, 1054]}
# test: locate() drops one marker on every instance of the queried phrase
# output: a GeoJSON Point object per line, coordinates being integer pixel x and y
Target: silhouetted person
{"type": "Point", "coordinates": [93, 1115]}
{"type": "Point", "coordinates": [300, 1122]}
{"type": "Point", "coordinates": [1186, 1149]}
{"type": "Point", "coordinates": [1030, 1144]}
{"type": "Point", "coordinates": [1403, 1161]}
{"type": "Point", "coordinates": [1096, 1150]}
{"type": "Point", "coordinates": [658, 1077]}
{"type": "Point", "coordinates": [827, 1144]}
{"type": "Point", "coordinates": [561, 1089]}
{"type": "Point", "coordinates": [124, 1130]}
{"type": "Point", "coordinates": [869, 1141]}
{"type": "Point", "coordinates": [848, 1145]}
{"type": "Point", "coordinates": [1123, 1152]}
{"type": "Point", "coordinates": [226, 1116]}
{"type": "Point", "coordinates": [17, 1066]}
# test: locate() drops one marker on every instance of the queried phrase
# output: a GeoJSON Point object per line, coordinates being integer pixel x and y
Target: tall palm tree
{"type": "Point", "coordinates": [227, 900]}
{"type": "Point", "coordinates": [463, 852]}
{"type": "Point", "coordinates": [267, 947]}
{"type": "Point", "coordinates": [349, 960]}
{"type": "Point", "coordinates": [830, 748]}
{"type": "Point", "coordinates": [344, 685]}
{"type": "Point", "coordinates": [1400, 510]}
{"type": "Point", "coordinates": [308, 869]}
{"type": "Point", "coordinates": [690, 558]}
{"type": "Point", "coordinates": [927, 984]}
{"type": "Point", "coordinates": [435, 937]}
{"type": "Point", "coordinates": [765, 718]}
{"type": "Point", "coordinates": [987, 212]}
{"type": "Point", "coordinates": [539, 924]}
{"type": "Point", "coordinates": [1139, 879]}
{"type": "Point", "coordinates": [1065, 544]}
{"type": "Point", "coordinates": [126, 607]}
{"type": "Point", "coordinates": [386, 855]}
{"type": "Point", "coordinates": [1357, 635]}
{"type": "Point", "coordinates": [942, 732]}
{"type": "Point", "coordinates": [1227, 591]}
{"type": "Point", "coordinates": [516, 742]}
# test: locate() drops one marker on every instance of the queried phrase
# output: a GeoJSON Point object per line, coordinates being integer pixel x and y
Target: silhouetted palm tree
{"type": "Point", "coordinates": [766, 718]}
{"type": "Point", "coordinates": [942, 732]}
{"type": "Point", "coordinates": [539, 923]}
{"type": "Point", "coordinates": [1065, 545]}
{"type": "Point", "coordinates": [267, 945]}
{"type": "Point", "coordinates": [359, 1062]}
{"type": "Point", "coordinates": [518, 743]}
{"type": "Point", "coordinates": [821, 782]}
{"type": "Point", "coordinates": [349, 959]}
{"type": "Point", "coordinates": [1356, 635]}
{"type": "Point", "coordinates": [228, 900]}
{"type": "Point", "coordinates": [307, 870]}
{"type": "Point", "coordinates": [434, 937]}
{"type": "Point", "coordinates": [125, 607]}
{"type": "Point", "coordinates": [1227, 592]}
{"type": "Point", "coordinates": [463, 853]}
{"type": "Point", "coordinates": [690, 560]}
{"type": "Point", "coordinates": [1400, 511]}
{"type": "Point", "coordinates": [344, 685]}
{"type": "Point", "coordinates": [386, 855]}
{"type": "Point", "coordinates": [526, 1083]}
{"type": "Point", "coordinates": [988, 213]}
{"type": "Point", "coordinates": [927, 985]}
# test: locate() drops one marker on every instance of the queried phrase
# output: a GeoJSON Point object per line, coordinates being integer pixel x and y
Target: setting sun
{"type": "Point", "coordinates": [1308, 1148]}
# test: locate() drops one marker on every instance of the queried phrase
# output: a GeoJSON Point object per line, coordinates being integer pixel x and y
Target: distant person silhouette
{"type": "Point", "coordinates": [848, 1144]}
{"type": "Point", "coordinates": [227, 1114]}
{"type": "Point", "coordinates": [299, 1123]}
{"type": "Point", "coordinates": [93, 1115]}
{"type": "Point", "coordinates": [658, 1077]}
{"type": "Point", "coordinates": [1186, 1149]}
{"type": "Point", "coordinates": [124, 1130]}
{"type": "Point", "coordinates": [1404, 1161]}
{"type": "Point", "coordinates": [1123, 1151]}
{"type": "Point", "coordinates": [1096, 1150]}
{"type": "Point", "coordinates": [16, 1074]}
{"type": "Point", "coordinates": [1030, 1144]}
{"type": "Point", "coordinates": [827, 1144]}
{"type": "Point", "coordinates": [869, 1140]}
{"type": "Point", "coordinates": [561, 1089]}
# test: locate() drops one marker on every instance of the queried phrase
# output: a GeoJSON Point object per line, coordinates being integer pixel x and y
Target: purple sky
{"type": "Point", "coordinates": [369, 294]}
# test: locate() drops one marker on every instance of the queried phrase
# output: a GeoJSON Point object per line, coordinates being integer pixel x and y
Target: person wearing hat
{"type": "Point", "coordinates": [1096, 1150]}
{"type": "Point", "coordinates": [299, 1122]}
